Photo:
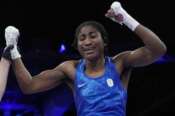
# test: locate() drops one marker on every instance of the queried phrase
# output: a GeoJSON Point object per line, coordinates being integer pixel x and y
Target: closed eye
{"type": "Point", "coordinates": [81, 37]}
{"type": "Point", "coordinates": [93, 35]}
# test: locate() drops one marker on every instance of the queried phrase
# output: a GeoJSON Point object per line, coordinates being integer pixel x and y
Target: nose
{"type": "Point", "coordinates": [87, 41]}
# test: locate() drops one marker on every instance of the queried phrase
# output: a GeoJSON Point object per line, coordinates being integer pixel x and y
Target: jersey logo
{"type": "Point", "coordinates": [81, 85]}
{"type": "Point", "coordinates": [110, 82]}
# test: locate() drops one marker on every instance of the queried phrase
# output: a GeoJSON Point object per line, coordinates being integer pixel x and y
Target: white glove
{"type": "Point", "coordinates": [122, 17]}
{"type": "Point", "coordinates": [11, 35]}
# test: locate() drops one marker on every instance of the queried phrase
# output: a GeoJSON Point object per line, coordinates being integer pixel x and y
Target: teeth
{"type": "Point", "coordinates": [88, 49]}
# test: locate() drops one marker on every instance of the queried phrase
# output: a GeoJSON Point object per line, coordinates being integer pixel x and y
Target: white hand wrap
{"type": "Point", "coordinates": [122, 17]}
{"type": "Point", "coordinates": [15, 53]}
{"type": "Point", "coordinates": [11, 35]}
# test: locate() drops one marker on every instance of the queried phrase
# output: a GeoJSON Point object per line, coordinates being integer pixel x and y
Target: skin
{"type": "Point", "coordinates": [4, 69]}
{"type": "Point", "coordinates": [91, 47]}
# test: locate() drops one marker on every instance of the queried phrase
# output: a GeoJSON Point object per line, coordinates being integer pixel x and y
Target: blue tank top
{"type": "Point", "coordinates": [100, 96]}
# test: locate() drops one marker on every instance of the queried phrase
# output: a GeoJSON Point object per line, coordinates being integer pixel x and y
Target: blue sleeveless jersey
{"type": "Point", "coordinates": [100, 96]}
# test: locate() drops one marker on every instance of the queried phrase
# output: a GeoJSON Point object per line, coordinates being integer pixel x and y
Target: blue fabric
{"type": "Point", "coordinates": [100, 96]}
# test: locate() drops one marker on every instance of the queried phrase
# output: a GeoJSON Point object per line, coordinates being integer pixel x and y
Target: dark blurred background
{"type": "Point", "coordinates": [47, 30]}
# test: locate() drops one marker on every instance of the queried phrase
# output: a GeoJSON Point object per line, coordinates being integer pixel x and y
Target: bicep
{"type": "Point", "coordinates": [139, 57]}
{"type": "Point", "coordinates": [47, 79]}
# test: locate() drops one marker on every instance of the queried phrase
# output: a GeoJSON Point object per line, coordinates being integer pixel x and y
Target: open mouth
{"type": "Point", "coordinates": [88, 50]}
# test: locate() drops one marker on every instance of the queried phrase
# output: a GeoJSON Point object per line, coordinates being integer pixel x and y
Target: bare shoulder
{"type": "Point", "coordinates": [69, 68]}
{"type": "Point", "coordinates": [69, 64]}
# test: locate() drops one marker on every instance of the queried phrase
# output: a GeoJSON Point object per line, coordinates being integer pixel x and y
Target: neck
{"type": "Point", "coordinates": [95, 65]}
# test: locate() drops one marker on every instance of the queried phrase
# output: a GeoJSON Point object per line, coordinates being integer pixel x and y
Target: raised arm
{"type": "Point", "coordinates": [44, 81]}
{"type": "Point", "coordinates": [153, 47]}
{"type": "Point", "coordinates": [4, 69]}
{"type": "Point", "coordinates": [28, 83]}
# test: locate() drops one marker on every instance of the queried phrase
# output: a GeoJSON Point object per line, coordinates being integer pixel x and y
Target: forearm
{"type": "Point", "coordinates": [41, 82]}
{"type": "Point", "coordinates": [154, 48]}
{"type": "Point", "coordinates": [27, 83]}
{"type": "Point", "coordinates": [4, 69]}
{"type": "Point", "coordinates": [151, 40]}
{"type": "Point", "coordinates": [24, 78]}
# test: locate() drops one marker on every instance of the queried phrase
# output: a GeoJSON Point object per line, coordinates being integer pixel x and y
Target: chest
{"type": "Point", "coordinates": [98, 84]}
{"type": "Point", "coordinates": [95, 73]}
